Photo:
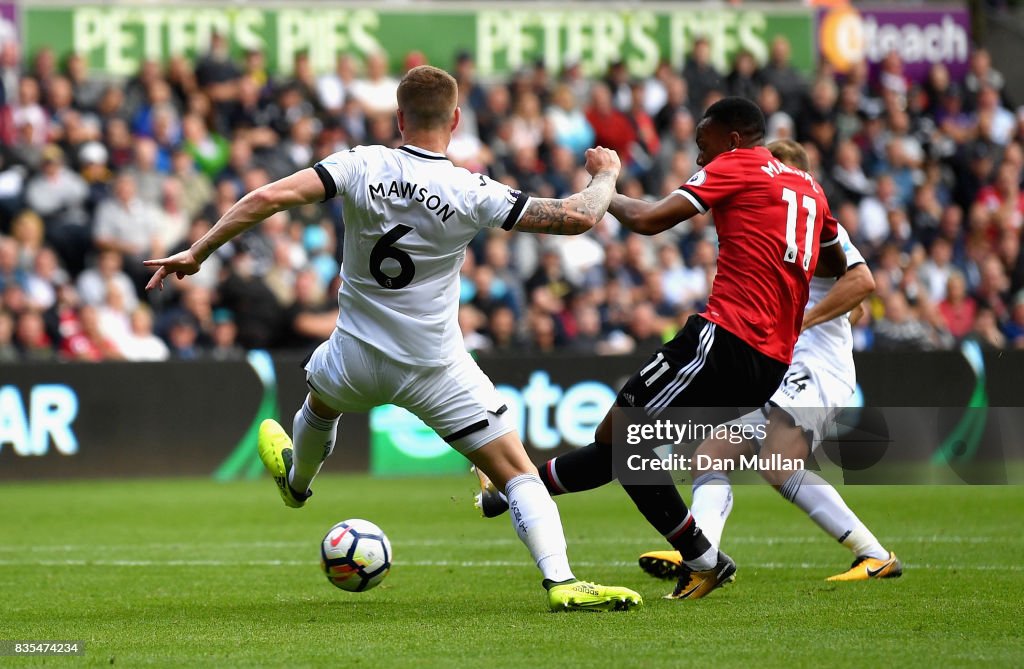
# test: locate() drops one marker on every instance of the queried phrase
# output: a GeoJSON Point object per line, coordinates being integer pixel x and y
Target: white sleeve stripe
{"type": "Point", "coordinates": [689, 196]}
{"type": "Point", "coordinates": [831, 242]}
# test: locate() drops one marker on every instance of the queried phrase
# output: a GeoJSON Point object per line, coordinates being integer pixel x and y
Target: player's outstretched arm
{"type": "Point", "coordinates": [849, 291]}
{"type": "Point", "coordinates": [303, 187]}
{"type": "Point", "coordinates": [580, 212]}
{"type": "Point", "coordinates": [650, 218]}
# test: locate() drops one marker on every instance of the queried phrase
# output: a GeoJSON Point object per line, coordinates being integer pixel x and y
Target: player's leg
{"type": "Point", "coordinates": [585, 468]}
{"type": "Point", "coordinates": [314, 431]}
{"type": "Point", "coordinates": [711, 503]}
{"type": "Point", "coordinates": [712, 489]}
{"type": "Point", "coordinates": [461, 405]}
{"type": "Point", "coordinates": [699, 374]}
{"type": "Point", "coordinates": [294, 462]}
{"type": "Point", "coordinates": [791, 434]}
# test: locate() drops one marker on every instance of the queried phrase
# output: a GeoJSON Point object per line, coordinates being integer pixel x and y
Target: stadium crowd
{"type": "Point", "coordinates": [97, 175]}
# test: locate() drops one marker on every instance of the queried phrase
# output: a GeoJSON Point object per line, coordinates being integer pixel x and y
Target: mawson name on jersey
{"type": "Point", "coordinates": [409, 191]}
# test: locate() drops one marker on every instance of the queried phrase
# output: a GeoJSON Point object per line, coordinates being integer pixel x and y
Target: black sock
{"type": "Point", "coordinates": [666, 511]}
{"type": "Point", "coordinates": [583, 469]}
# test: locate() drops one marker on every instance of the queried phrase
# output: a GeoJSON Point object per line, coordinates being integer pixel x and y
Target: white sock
{"type": "Point", "coordinates": [704, 562]}
{"type": "Point", "coordinates": [312, 441]}
{"type": "Point", "coordinates": [861, 541]}
{"type": "Point", "coordinates": [536, 519]}
{"type": "Point", "coordinates": [712, 503]}
{"type": "Point", "coordinates": [826, 507]}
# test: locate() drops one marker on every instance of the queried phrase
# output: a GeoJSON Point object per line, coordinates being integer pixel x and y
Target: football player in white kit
{"type": "Point", "coordinates": [409, 215]}
{"type": "Point", "coordinates": [819, 383]}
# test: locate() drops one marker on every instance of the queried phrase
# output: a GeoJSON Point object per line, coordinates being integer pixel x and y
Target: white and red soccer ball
{"type": "Point", "coordinates": [355, 555]}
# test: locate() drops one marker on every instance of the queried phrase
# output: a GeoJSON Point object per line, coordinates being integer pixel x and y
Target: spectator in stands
{"type": "Point", "coordinates": [986, 330]}
{"type": "Point", "coordinates": [569, 126]}
{"type": "Point", "coordinates": [848, 174]}
{"type": "Point", "coordinates": [901, 329]}
{"type": "Point", "coordinates": [182, 339]}
{"type": "Point", "coordinates": [209, 150]}
{"type": "Point", "coordinates": [8, 351]}
{"type": "Point", "coordinates": [980, 75]}
{"type": "Point", "coordinates": [702, 79]}
{"type": "Point", "coordinates": [11, 271]}
{"type": "Point", "coordinates": [32, 341]}
{"type": "Point", "coordinates": [142, 345]}
{"type": "Point", "coordinates": [127, 225]}
{"type": "Point", "coordinates": [225, 337]}
{"type": "Point", "coordinates": [312, 315]}
{"type": "Point", "coordinates": [46, 276]}
{"type": "Point", "coordinates": [744, 79]}
{"type": "Point", "coordinates": [93, 283]}
{"type": "Point", "coordinates": [996, 122]}
{"type": "Point", "coordinates": [334, 87]}
{"type": "Point", "coordinates": [503, 332]}
{"type": "Point", "coordinates": [780, 74]}
{"type": "Point", "coordinates": [257, 312]}
{"type": "Point", "coordinates": [149, 180]}
{"type": "Point", "coordinates": [216, 73]}
{"type": "Point", "coordinates": [86, 90]}
{"type": "Point", "coordinates": [612, 128]}
{"type": "Point", "coordinates": [1014, 329]}
{"type": "Point", "coordinates": [471, 323]}
{"type": "Point", "coordinates": [958, 309]}
{"type": "Point", "coordinates": [676, 104]}
{"type": "Point", "coordinates": [377, 92]}
{"type": "Point", "coordinates": [89, 344]}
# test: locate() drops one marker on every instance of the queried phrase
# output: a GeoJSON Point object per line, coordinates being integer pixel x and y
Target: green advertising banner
{"type": "Point", "coordinates": [117, 38]}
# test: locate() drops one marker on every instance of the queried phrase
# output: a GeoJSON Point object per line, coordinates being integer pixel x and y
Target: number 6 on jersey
{"type": "Point", "coordinates": [383, 250]}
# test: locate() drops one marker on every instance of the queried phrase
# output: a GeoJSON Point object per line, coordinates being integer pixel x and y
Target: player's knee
{"type": "Point", "coordinates": [320, 408]}
{"type": "Point", "coordinates": [502, 459]}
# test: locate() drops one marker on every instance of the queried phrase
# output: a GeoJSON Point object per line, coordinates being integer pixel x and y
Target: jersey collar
{"type": "Point", "coordinates": [422, 153]}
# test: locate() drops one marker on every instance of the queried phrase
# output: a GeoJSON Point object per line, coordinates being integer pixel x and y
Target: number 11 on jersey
{"type": "Point", "coordinates": [789, 197]}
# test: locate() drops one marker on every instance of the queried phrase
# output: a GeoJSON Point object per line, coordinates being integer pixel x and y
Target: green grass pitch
{"type": "Point", "coordinates": [185, 573]}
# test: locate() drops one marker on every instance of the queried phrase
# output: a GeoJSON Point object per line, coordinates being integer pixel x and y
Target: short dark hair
{"type": "Point", "coordinates": [739, 115]}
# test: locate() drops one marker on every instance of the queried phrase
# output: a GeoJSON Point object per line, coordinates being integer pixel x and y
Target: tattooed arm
{"type": "Point", "coordinates": [580, 212]}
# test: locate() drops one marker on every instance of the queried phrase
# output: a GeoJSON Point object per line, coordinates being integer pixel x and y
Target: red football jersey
{"type": "Point", "coordinates": [770, 220]}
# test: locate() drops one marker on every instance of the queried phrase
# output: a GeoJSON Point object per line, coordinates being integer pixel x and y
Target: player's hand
{"type": "Point", "coordinates": [600, 159]}
{"type": "Point", "coordinates": [180, 264]}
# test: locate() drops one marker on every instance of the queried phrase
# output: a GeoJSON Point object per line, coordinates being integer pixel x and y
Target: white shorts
{"type": "Point", "coordinates": [457, 400]}
{"type": "Point", "coordinates": [811, 397]}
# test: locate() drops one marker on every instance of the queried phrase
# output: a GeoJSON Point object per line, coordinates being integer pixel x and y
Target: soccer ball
{"type": "Point", "coordinates": [355, 555]}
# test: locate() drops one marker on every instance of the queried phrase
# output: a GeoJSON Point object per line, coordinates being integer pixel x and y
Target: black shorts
{"type": "Point", "coordinates": [704, 367]}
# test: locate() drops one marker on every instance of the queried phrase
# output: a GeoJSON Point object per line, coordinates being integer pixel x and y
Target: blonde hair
{"type": "Point", "coordinates": [790, 153]}
{"type": "Point", "coordinates": [27, 226]}
{"type": "Point", "coordinates": [427, 97]}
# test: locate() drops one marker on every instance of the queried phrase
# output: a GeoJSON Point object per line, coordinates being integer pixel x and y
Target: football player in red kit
{"type": "Point", "coordinates": [773, 223]}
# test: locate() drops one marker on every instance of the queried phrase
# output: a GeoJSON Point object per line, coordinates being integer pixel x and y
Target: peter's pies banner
{"type": "Point", "coordinates": [503, 37]}
{"type": "Point", "coordinates": [116, 38]}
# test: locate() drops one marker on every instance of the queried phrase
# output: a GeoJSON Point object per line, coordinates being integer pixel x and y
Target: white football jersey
{"type": "Point", "coordinates": [830, 344]}
{"type": "Point", "coordinates": [409, 215]}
